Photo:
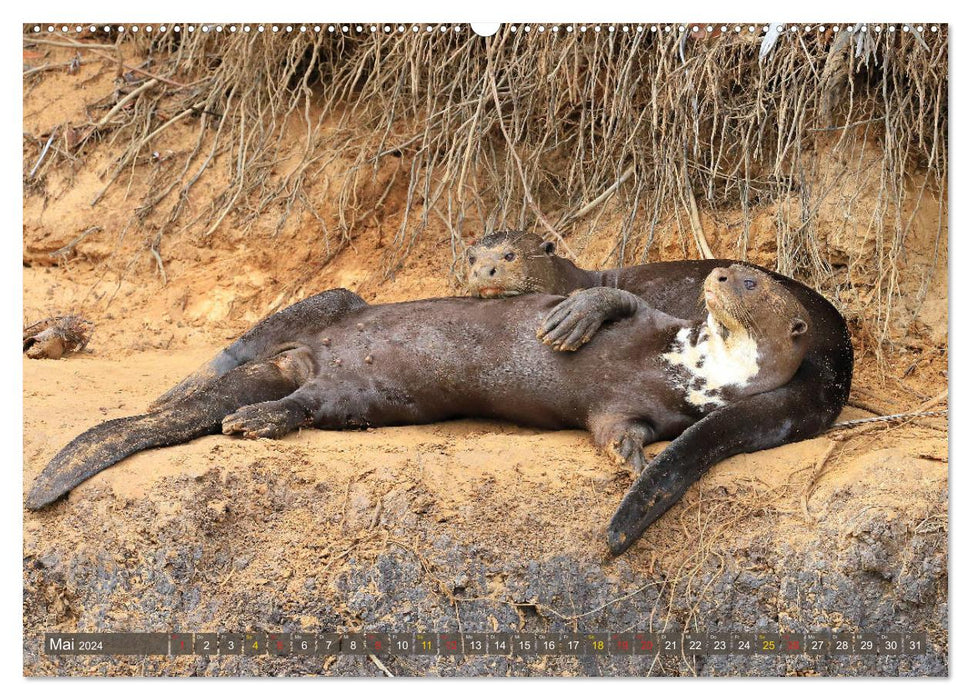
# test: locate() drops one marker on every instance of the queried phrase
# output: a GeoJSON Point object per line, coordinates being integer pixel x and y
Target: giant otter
{"type": "Point", "coordinates": [511, 263]}
{"type": "Point", "coordinates": [646, 377]}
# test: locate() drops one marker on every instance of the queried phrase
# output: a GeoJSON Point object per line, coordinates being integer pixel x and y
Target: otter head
{"type": "Point", "coordinates": [747, 305]}
{"type": "Point", "coordinates": [509, 263]}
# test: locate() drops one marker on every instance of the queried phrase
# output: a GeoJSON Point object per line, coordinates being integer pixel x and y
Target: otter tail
{"type": "Point", "coordinates": [184, 419]}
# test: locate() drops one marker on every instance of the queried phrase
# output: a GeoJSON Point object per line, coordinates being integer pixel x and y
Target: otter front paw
{"type": "Point", "coordinates": [267, 420]}
{"type": "Point", "coordinates": [571, 324]}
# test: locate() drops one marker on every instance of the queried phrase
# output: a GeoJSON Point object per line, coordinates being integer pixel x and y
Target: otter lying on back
{"type": "Point", "coordinates": [645, 378]}
{"type": "Point", "coordinates": [511, 263]}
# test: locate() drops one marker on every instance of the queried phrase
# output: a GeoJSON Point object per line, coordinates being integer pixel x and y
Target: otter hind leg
{"type": "Point", "coordinates": [213, 369]}
{"type": "Point", "coordinates": [276, 418]}
{"type": "Point", "coordinates": [624, 440]}
{"type": "Point", "coordinates": [265, 339]}
{"type": "Point", "coordinates": [270, 419]}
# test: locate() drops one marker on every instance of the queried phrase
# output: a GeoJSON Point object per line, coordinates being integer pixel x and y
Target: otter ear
{"type": "Point", "coordinates": [549, 247]}
{"type": "Point", "coordinates": [798, 327]}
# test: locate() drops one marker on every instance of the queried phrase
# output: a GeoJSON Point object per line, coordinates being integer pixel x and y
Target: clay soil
{"type": "Point", "coordinates": [270, 518]}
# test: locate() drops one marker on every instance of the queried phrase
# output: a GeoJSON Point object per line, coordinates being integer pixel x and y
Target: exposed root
{"type": "Point", "coordinates": [535, 131]}
{"type": "Point", "coordinates": [55, 337]}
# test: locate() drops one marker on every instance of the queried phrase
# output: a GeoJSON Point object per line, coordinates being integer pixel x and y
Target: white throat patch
{"type": "Point", "coordinates": [713, 363]}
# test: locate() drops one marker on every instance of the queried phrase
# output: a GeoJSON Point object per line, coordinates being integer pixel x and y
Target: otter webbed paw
{"type": "Point", "coordinates": [576, 319]}
{"type": "Point", "coordinates": [573, 322]}
{"type": "Point", "coordinates": [628, 451]}
{"type": "Point", "coordinates": [271, 419]}
{"type": "Point", "coordinates": [623, 439]}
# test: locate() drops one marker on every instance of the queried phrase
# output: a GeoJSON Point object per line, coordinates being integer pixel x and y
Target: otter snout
{"type": "Point", "coordinates": [487, 276]}
{"type": "Point", "coordinates": [483, 272]}
{"type": "Point", "coordinates": [723, 282]}
{"type": "Point", "coordinates": [716, 283]}
{"type": "Point", "coordinates": [483, 281]}
{"type": "Point", "coordinates": [718, 276]}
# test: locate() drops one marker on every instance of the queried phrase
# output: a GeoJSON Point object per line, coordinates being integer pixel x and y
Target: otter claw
{"type": "Point", "coordinates": [567, 328]}
{"type": "Point", "coordinates": [574, 346]}
{"type": "Point", "coordinates": [252, 422]}
{"type": "Point", "coordinates": [630, 453]}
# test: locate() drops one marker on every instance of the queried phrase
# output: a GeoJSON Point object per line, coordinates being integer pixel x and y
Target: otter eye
{"type": "Point", "coordinates": [749, 284]}
{"type": "Point", "coordinates": [471, 260]}
{"type": "Point", "coordinates": [509, 257]}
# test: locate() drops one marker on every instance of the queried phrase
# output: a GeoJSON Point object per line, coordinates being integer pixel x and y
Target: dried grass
{"type": "Point", "coordinates": [535, 130]}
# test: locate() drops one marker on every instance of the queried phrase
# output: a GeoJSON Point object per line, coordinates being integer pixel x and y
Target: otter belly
{"type": "Point", "coordinates": [427, 361]}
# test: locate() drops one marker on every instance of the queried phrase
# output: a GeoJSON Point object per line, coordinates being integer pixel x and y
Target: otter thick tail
{"type": "Point", "coordinates": [184, 419]}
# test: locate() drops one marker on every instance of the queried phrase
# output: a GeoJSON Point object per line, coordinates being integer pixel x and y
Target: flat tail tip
{"type": "Point", "coordinates": [618, 542]}
{"type": "Point", "coordinates": [34, 503]}
{"type": "Point", "coordinates": [39, 497]}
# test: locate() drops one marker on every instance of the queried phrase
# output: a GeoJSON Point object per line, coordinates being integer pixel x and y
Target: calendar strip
{"type": "Point", "coordinates": [485, 644]}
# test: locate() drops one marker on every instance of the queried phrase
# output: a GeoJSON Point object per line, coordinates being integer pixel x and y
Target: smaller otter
{"type": "Point", "coordinates": [510, 263]}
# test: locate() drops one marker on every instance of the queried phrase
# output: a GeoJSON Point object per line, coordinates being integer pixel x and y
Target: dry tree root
{"type": "Point", "coordinates": [55, 337]}
{"type": "Point", "coordinates": [536, 131]}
